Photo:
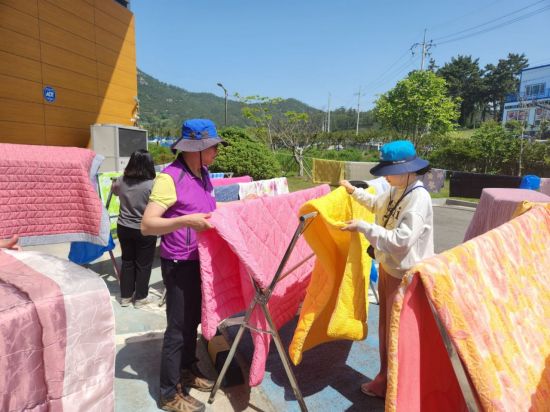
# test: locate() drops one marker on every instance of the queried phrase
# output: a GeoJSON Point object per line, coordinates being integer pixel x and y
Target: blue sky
{"type": "Point", "coordinates": [309, 49]}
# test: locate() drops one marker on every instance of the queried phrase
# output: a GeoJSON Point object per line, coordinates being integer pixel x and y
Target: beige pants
{"type": "Point", "coordinates": [387, 288]}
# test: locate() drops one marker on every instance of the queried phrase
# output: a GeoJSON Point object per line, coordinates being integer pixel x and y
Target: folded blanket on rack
{"type": "Point", "coordinates": [359, 170]}
{"type": "Point", "coordinates": [227, 193]}
{"type": "Point", "coordinates": [259, 188]}
{"type": "Point", "coordinates": [491, 295]}
{"type": "Point", "coordinates": [249, 240]}
{"type": "Point", "coordinates": [434, 180]}
{"type": "Point", "coordinates": [328, 171]}
{"type": "Point", "coordinates": [230, 180]}
{"type": "Point", "coordinates": [336, 304]}
{"type": "Point", "coordinates": [48, 195]}
{"type": "Point", "coordinates": [57, 336]}
{"type": "Point", "coordinates": [545, 185]}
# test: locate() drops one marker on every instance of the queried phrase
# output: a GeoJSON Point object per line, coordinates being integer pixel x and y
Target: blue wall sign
{"type": "Point", "coordinates": [49, 94]}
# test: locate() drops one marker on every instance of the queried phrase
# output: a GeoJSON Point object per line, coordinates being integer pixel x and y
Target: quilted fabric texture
{"type": "Point", "coordinates": [336, 305]}
{"type": "Point", "coordinates": [47, 195]}
{"type": "Point", "coordinates": [249, 240]}
{"type": "Point", "coordinates": [491, 294]}
{"type": "Point", "coordinates": [57, 336]}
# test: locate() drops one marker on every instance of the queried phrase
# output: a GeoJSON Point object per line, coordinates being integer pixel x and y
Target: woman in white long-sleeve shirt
{"type": "Point", "coordinates": [401, 236]}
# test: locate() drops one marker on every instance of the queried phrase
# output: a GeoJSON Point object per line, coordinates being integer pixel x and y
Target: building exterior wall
{"type": "Point", "coordinates": [84, 50]}
{"type": "Point", "coordinates": [527, 105]}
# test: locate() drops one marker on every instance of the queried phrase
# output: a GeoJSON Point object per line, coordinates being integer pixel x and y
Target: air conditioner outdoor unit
{"type": "Point", "coordinates": [116, 143]}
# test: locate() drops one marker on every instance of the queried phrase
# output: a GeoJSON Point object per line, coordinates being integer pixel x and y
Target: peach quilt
{"type": "Point", "coordinates": [491, 294]}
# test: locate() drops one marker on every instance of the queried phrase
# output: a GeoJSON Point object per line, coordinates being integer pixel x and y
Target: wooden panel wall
{"type": "Point", "coordinates": [84, 49]}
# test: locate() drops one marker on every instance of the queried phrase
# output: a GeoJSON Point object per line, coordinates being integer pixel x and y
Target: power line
{"type": "Point", "coordinates": [506, 23]}
{"type": "Point", "coordinates": [449, 22]}
{"type": "Point", "coordinates": [400, 70]}
{"type": "Point", "coordinates": [390, 67]}
{"type": "Point", "coordinates": [514, 19]}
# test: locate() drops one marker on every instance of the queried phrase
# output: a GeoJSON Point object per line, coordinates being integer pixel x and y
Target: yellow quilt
{"type": "Point", "coordinates": [525, 206]}
{"type": "Point", "coordinates": [335, 306]}
{"type": "Point", "coordinates": [328, 171]}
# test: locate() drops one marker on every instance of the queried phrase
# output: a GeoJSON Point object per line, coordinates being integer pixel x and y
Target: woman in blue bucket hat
{"type": "Point", "coordinates": [179, 206]}
{"type": "Point", "coordinates": [401, 236]}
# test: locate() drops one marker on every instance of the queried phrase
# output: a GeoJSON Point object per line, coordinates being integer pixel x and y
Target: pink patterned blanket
{"type": "Point", "coordinates": [48, 195]}
{"type": "Point", "coordinates": [57, 347]}
{"type": "Point", "coordinates": [491, 294]}
{"type": "Point", "coordinates": [250, 238]}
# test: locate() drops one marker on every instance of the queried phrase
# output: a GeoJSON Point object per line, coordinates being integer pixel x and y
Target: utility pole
{"type": "Point", "coordinates": [358, 104]}
{"type": "Point", "coordinates": [225, 97]}
{"type": "Point", "coordinates": [328, 115]}
{"type": "Point", "coordinates": [425, 49]}
{"type": "Point", "coordinates": [521, 113]}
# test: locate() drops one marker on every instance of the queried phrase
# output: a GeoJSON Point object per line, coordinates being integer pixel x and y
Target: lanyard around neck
{"type": "Point", "coordinates": [389, 213]}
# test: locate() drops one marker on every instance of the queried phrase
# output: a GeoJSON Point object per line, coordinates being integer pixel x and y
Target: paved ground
{"type": "Point", "coordinates": [329, 376]}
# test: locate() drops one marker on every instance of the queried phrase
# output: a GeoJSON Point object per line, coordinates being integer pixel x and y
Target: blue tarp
{"type": "Point", "coordinates": [530, 182]}
{"type": "Point", "coordinates": [84, 252]}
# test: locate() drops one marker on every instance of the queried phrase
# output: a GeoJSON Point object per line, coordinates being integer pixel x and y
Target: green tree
{"type": "Point", "coordinates": [291, 129]}
{"type": "Point", "coordinates": [503, 79]}
{"type": "Point", "coordinates": [418, 105]}
{"type": "Point", "coordinates": [536, 156]}
{"type": "Point", "coordinates": [495, 147]}
{"type": "Point", "coordinates": [453, 153]}
{"type": "Point", "coordinates": [259, 109]}
{"type": "Point", "coordinates": [245, 155]}
{"type": "Point", "coordinates": [464, 81]}
{"type": "Point", "coordinates": [296, 132]}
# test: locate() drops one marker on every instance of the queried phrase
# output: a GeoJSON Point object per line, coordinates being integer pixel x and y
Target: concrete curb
{"type": "Point", "coordinates": [456, 202]}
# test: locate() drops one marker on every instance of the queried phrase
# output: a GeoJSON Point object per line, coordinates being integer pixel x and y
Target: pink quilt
{"type": "Point", "coordinates": [57, 346]}
{"type": "Point", "coordinates": [250, 238]}
{"type": "Point", "coordinates": [48, 195]}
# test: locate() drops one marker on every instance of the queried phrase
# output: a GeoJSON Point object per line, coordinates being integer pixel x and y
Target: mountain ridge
{"type": "Point", "coordinates": [163, 106]}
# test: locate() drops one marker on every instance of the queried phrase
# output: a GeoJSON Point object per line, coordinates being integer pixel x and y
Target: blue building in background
{"type": "Point", "coordinates": [531, 104]}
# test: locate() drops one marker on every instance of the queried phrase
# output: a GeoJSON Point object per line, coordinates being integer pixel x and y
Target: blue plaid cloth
{"type": "Point", "coordinates": [227, 193]}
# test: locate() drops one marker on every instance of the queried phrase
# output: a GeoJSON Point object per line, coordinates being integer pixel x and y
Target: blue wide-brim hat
{"type": "Point", "coordinates": [397, 158]}
{"type": "Point", "coordinates": [197, 135]}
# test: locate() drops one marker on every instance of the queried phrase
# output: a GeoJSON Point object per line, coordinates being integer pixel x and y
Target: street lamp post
{"type": "Point", "coordinates": [225, 94]}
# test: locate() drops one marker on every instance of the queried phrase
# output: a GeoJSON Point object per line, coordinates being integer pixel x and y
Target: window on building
{"type": "Point", "coordinates": [535, 89]}
{"type": "Point", "coordinates": [123, 2]}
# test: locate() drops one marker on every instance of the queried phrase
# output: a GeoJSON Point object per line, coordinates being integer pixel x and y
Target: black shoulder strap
{"type": "Point", "coordinates": [392, 211]}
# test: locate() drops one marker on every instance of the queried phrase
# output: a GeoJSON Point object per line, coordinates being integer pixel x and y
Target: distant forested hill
{"type": "Point", "coordinates": [163, 107]}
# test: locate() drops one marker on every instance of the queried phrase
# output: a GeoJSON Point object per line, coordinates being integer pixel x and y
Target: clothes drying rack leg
{"type": "Point", "coordinates": [261, 298]}
{"type": "Point", "coordinates": [375, 292]}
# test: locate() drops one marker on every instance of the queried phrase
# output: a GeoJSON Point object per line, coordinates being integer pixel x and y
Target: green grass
{"type": "Point", "coordinates": [296, 183]}
{"type": "Point", "coordinates": [444, 192]}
